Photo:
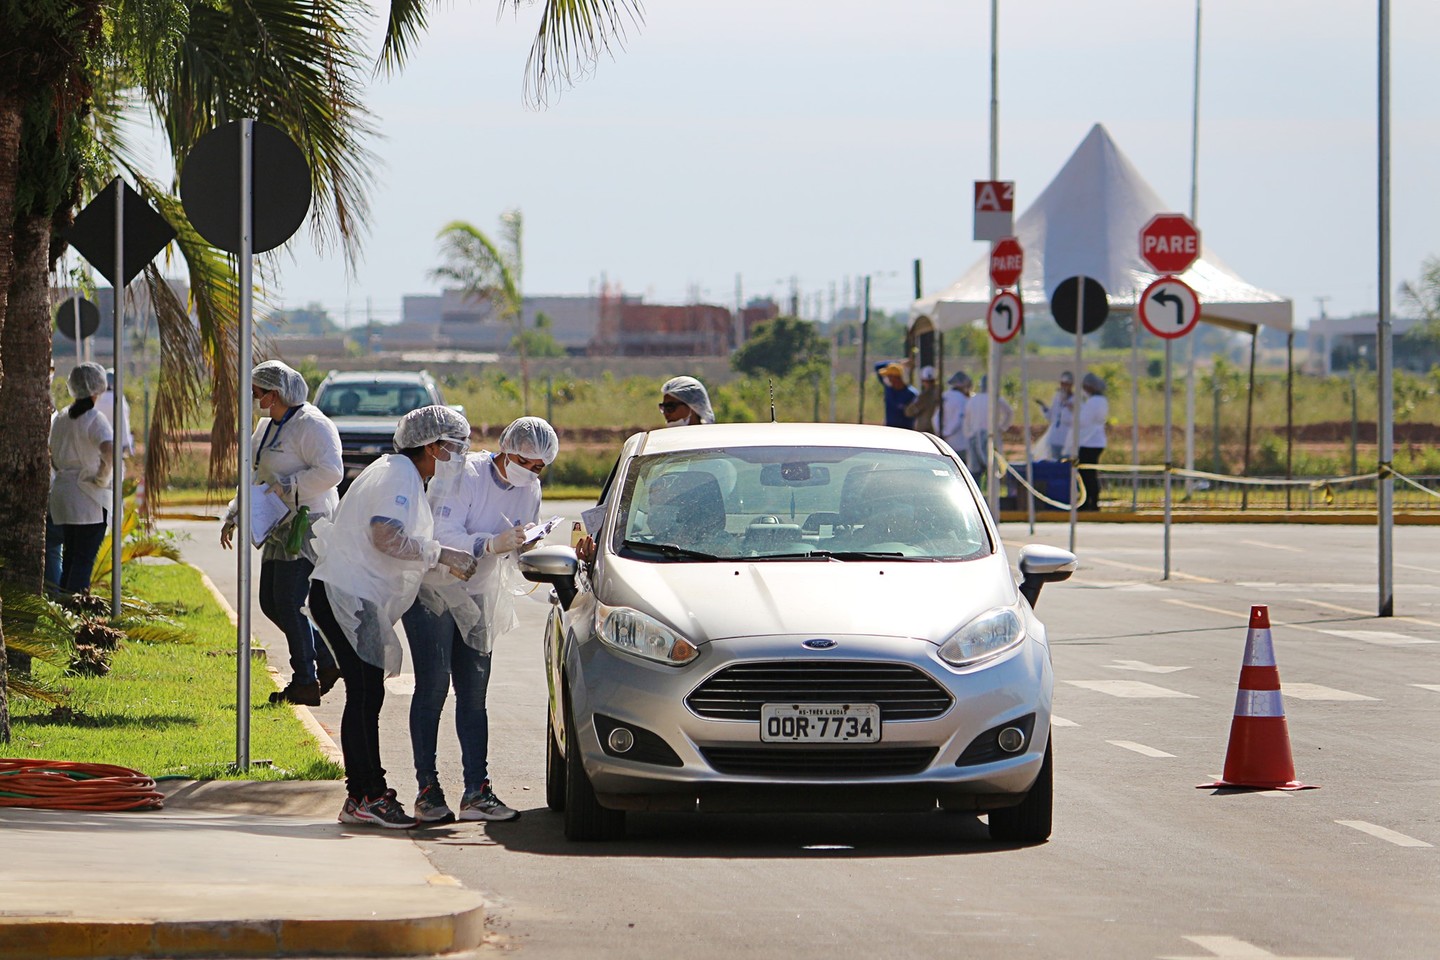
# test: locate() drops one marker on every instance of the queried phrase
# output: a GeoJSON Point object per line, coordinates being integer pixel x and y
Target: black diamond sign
{"type": "Point", "coordinates": [145, 233]}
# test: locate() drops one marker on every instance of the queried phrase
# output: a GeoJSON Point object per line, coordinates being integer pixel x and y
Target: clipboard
{"type": "Point", "coordinates": [266, 510]}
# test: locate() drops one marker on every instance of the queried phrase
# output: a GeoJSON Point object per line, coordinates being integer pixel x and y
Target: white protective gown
{"type": "Point", "coordinates": [372, 574]}
{"type": "Point", "coordinates": [469, 509]}
{"type": "Point", "coordinates": [75, 458]}
{"type": "Point", "coordinates": [303, 456]}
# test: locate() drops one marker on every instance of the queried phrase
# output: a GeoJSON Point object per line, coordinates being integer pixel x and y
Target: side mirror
{"type": "Point", "coordinates": [555, 565]}
{"type": "Point", "coordinates": [1040, 565]}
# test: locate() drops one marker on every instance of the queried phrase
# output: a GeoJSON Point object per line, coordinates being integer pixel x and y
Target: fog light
{"type": "Point", "coordinates": [622, 740]}
{"type": "Point", "coordinates": [1011, 739]}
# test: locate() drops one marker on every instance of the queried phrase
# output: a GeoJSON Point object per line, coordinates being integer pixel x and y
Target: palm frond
{"type": "Point", "coordinates": [571, 37]}
{"type": "Point", "coordinates": [407, 20]}
{"type": "Point", "coordinates": [154, 631]}
{"type": "Point", "coordinates": [481, 268]}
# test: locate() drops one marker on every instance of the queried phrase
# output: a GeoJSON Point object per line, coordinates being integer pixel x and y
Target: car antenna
{"type": "Point", "coordinates": [771, 381]}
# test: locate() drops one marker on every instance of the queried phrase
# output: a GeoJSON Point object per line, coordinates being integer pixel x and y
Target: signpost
{"type": "Point", "coordinates": [78, 319]}
{"type": "Point", "coordinates": [1079, 306]}
{"type": "Point", "coordinates": [245, 214]}
{"type": "Point", "coordinates": [994, 209]}
{"type": "Point", "coordinates": [1169, 309]}
{"type": "Point", "coordinates": [1005, 316]}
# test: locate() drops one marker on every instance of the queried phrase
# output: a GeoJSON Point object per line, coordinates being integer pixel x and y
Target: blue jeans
{"type": "Point", "coordinates": [78, 545]}
{"type": "Point", "coordinates": [442, 659]}
{"type": "Point", "coordinates": [284, 585]}
{"type": "Point", "coordinates": [53, 543]}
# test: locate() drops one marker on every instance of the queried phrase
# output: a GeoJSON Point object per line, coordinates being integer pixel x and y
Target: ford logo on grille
{"type": "Point", "coordinates": [818, 644]}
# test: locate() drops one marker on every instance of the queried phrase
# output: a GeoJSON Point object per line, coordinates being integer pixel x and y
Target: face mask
{"type": "Point", "coordinates": [682, 422]}
{"type": "Point", "coordinates": [518, 476]}
{"type": "Point", "coordinates": [449, 469]}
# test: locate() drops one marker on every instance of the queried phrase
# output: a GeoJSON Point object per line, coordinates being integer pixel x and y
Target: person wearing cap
{"type": "Point", "coordinates": [371, 556]}
{"type": "Point", "coordinates": [1094, 410]}
{"type": "Point", "coordinates": [923, 408]}
{"type": "Point", "coordinates": [295, 451]}
{"type": "Point", "coordinates": [976, 426]}
{"type": "Point", "coordinates": [81, 450]}
{"type": "Point", "coordinates": [684, 401]}
{"type": "Point", "coordinates": [483, 504]}
{"type": "Point", "coordinates": [1058, 414]}
{"type": "Point", "coordinates": [952, 411]}
{"type": "Point", "coordinates": [898, 393]}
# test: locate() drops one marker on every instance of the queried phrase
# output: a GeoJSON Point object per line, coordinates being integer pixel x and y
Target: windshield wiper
{"type": "Point", "coordinates": [669, 550]}
{"type": "Point", "coordinates": [838, 555]}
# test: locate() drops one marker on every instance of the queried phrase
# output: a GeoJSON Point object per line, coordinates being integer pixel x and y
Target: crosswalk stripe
{"type": "Point", "coordinates": [1129, 689]}
{"type": "Point", "coordinates": [1139, 748]}
{"type": "Point", "coordinates": [1399, 839]}
{"type": "Point", "coordinates": [1174, 575]}
{"type": "Point", "coordinates": [1381, 638]}
{"type": "Point", "coordinates": [1427, 686]}
{"type": "Point", "coordinates": [1365, 613]}
{"type": "Point", "coordinates": [1061, 722]}
{"type": "Point", "coordinates": [1316, 691]}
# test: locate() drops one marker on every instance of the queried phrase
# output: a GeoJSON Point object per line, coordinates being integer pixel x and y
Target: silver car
{"type": "Point", "coordinates": [796, 616]}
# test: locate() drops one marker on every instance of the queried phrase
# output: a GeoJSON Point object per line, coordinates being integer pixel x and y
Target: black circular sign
{"type": "Point", "coordinates": [280, 187]}
{"type": "Point", "coordinates": [89, 318]}
{"type": "Point", "coordinates": [1094, 308]}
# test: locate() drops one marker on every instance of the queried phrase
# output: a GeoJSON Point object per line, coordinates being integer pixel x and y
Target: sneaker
{"type": "Point", "coordinates": [482, 804]}
{"type": "Point", "coordinates": [382, 811]}
{"type": "Point", "coordinates": [350, 813]}
{"type": "Point", "coordinates": [328, 678]}
{"type": "Point", "coordinates": [430, 806]}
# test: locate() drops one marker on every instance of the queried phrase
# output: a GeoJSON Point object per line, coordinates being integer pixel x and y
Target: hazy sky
{"type": "Point", "coordinates": [780, 138]}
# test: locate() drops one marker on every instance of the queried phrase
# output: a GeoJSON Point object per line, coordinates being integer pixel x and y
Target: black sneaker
{"type": "Point", "coordinates": [350, 813]}
{"type": "Point", "coordinates": [431, 808]}
{"type": "Point", "coordinates": [329, 676]}
{"type": "Point", "coordinates": [482, 804]}
{"type": "Point", "coordinates": [383, 811]}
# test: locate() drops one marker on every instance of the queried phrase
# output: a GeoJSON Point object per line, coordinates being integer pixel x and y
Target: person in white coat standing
{"type": "Point", "coordinates": [1059, 414]}
{"type": "Point", "coordinates": [371, 557]}
{"type": "Point", "coordinates": [951, 416]}
{"type": "Point", "coordinates": [1093, 413]}
{"type": "Point", "coordinates": [81, 450]}
{"type": "Point", "coordinates": [483, 504]}
{"type": "Point", "coordinates": [977, 427]}
{"type": "Point", "coordinates": [296, 451]}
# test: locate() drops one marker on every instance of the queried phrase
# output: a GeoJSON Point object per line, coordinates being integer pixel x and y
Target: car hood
{"type": "Point", "coordinates": [365, 424]}
{"type": "Point", "coordinates": [716, 601]}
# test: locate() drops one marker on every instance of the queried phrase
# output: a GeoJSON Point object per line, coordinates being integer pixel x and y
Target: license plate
{"type": "Point", "coordinates": [819, 722]}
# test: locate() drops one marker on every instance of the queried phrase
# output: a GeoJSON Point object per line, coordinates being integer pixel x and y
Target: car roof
{"type": "Point", "coordinates": [378, 376]}
{"type": "Point", "coordinates": [706, 436]}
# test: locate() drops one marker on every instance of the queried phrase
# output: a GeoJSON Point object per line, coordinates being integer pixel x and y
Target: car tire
{"type": "Point", "coordinates": [585, 819]}
{"type": "Point", "coordinates": [1030, 821]}
{"type": "Point", "coordinates": [554, 770]}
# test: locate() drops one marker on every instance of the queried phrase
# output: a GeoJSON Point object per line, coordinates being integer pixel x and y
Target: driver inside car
{"type": "Point", "coordinates": [687, 510]}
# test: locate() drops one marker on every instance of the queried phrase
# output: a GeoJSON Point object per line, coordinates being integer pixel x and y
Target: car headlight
{"type": "Point", "coordinates": [633, 632]}
{"type": "Point", "coordinates": [988, 634]}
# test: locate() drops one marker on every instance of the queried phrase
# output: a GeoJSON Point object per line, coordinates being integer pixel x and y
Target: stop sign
{"type": "Point", "coordinates": [1006, 261]}
{"type": "Point", "coordinates": [1169, 243]}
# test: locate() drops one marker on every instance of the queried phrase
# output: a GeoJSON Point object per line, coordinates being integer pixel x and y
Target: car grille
{"type": "Point", "coordinates": [821, 763]}
{"type": "Point", "coordinates": [901, 691]}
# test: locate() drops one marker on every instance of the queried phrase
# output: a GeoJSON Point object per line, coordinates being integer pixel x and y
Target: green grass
{"type": "Point", "coordinates": [169, 709]}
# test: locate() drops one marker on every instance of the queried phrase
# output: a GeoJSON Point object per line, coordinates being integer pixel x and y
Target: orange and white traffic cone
{"type": "Point", "coordinates": [1259, 753]}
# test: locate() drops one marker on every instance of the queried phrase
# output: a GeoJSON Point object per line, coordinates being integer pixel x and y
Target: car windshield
{"type": "Point", "coordinates": [371, 399]}
{"type": "Point", "coordinates": [802, 503]}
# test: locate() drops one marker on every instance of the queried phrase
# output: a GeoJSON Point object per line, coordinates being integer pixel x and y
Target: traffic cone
{"type": "Point", "coordinates": [1259, 753]}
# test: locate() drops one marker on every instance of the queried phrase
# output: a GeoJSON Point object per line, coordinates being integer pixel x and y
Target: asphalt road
{"type": "Point", "coordinates": [1141, 865]}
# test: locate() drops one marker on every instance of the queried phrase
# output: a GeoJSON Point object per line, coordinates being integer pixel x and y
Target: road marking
{"type": "Point", "coordinates": [402, 685]}
{"type": "Point", "coordinates": [1129, 689]}
{"type": "Point", "coordinates": [1367, 613]}
{"type": "Point", "coordinates": [1140, 666]}
{"type": "Point", "coordinates": [1232, 948]}
{"type": "Point", "coordinates": [1174, 575]}
{"type": "Point", "coordinates": [1382, 638]}
{"type": "Point", "coordinates": [1062, 722]}
{"type": "Point", "coordinates": [1427, 686]}
{"type": "Point", "coordinates": [1273, 546]}
{"type": "Point", "coordinates": [1399, 839]}
{"type": "Point", "coordinates": [1139, 748]}
{"type": "Point", "coordinates": [1411, 566]}
{"type": "Point", "coordinates": [1236, 615]}
{"type": "Point", "coordinates": [1315, 691]}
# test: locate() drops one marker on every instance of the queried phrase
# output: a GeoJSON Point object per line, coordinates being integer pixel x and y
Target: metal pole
{"type": "Point", "coordinates": [1385, 420]}
{"type": "Point", "coordinates": [834, 365]}
{"type": "Point", "coordinates": [1135, 406]}
{"type": "Point", "coordinates": [117, 459]}
{"type": "Point", "coordinates": [79, 341]}
{"type": "Point", "coordinates": [1075, 405]}
{"type": "Point", "coordinates": [1025, 417]}
{"type": "Point", "coordinates": [1249, 418]}
{"type": "Point", "coordinates": [1168, 454]}
{"type": "Point", "coordinates": [1194, 207]}
{"type": "Point", "coordinates": [992, 489]}
{"type": "Point", "coordinates": [864, 349]}
{"type": "Point", "coordinates": [1289, 412]}
{"type": "Point", "coordinates": [243, 546]}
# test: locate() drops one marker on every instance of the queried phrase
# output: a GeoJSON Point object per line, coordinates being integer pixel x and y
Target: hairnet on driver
{"type": "Point", "coordinates": [428, 424]}
{"type": "Point", "coordinates": [692, 393]}
{"type": "Point", "coordinates": [87, 380]}
{"type": "Point", "coordinates": [1094, 383]}
{"type": "Point", "coordinates": [284, 380]}
{"type": "Point", "coordinates": [532, 438]}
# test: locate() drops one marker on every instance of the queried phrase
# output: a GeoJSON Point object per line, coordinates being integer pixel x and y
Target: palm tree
{"type": "Point", "coordinates": [490, 272]}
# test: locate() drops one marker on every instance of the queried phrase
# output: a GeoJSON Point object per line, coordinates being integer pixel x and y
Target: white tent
{"type": "Point", "coordinates": [1087, 222]}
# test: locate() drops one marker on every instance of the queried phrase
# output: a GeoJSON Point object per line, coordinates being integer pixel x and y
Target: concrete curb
{"type": "Point", "coordinates": [1350, 517]}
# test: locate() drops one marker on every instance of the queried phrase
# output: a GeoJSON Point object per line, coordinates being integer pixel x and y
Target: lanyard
{"type": "Point", "coordinates": [265, 437]}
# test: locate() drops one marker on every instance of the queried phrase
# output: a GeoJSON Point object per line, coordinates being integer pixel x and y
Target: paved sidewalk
{"type": "Point", "coordinates": [227, 869]}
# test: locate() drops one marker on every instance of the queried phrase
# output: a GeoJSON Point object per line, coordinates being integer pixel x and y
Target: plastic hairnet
{"type": "Point", "coordinates": [1093, 383]}
{"type": "Point", "coordinates": [690, 392]}
{"type": "Point", "coordinates": [87, 380]}
{"type": "Point", "coordinates": [959, 379]}
{"type": "Point", "coordinates": [284, 380]}
{"type": "Point", "coordinates": [428, 424]}
{"type": "Point", "coordinates": [532, 438]}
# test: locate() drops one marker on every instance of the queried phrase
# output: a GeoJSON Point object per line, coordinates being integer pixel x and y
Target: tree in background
{"type": "Point", "coordinates": [781, 346]}
{"type": "Point", "coordinates": [489, 272]}
{"type": "Point", "coordinates": [538, 342]}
